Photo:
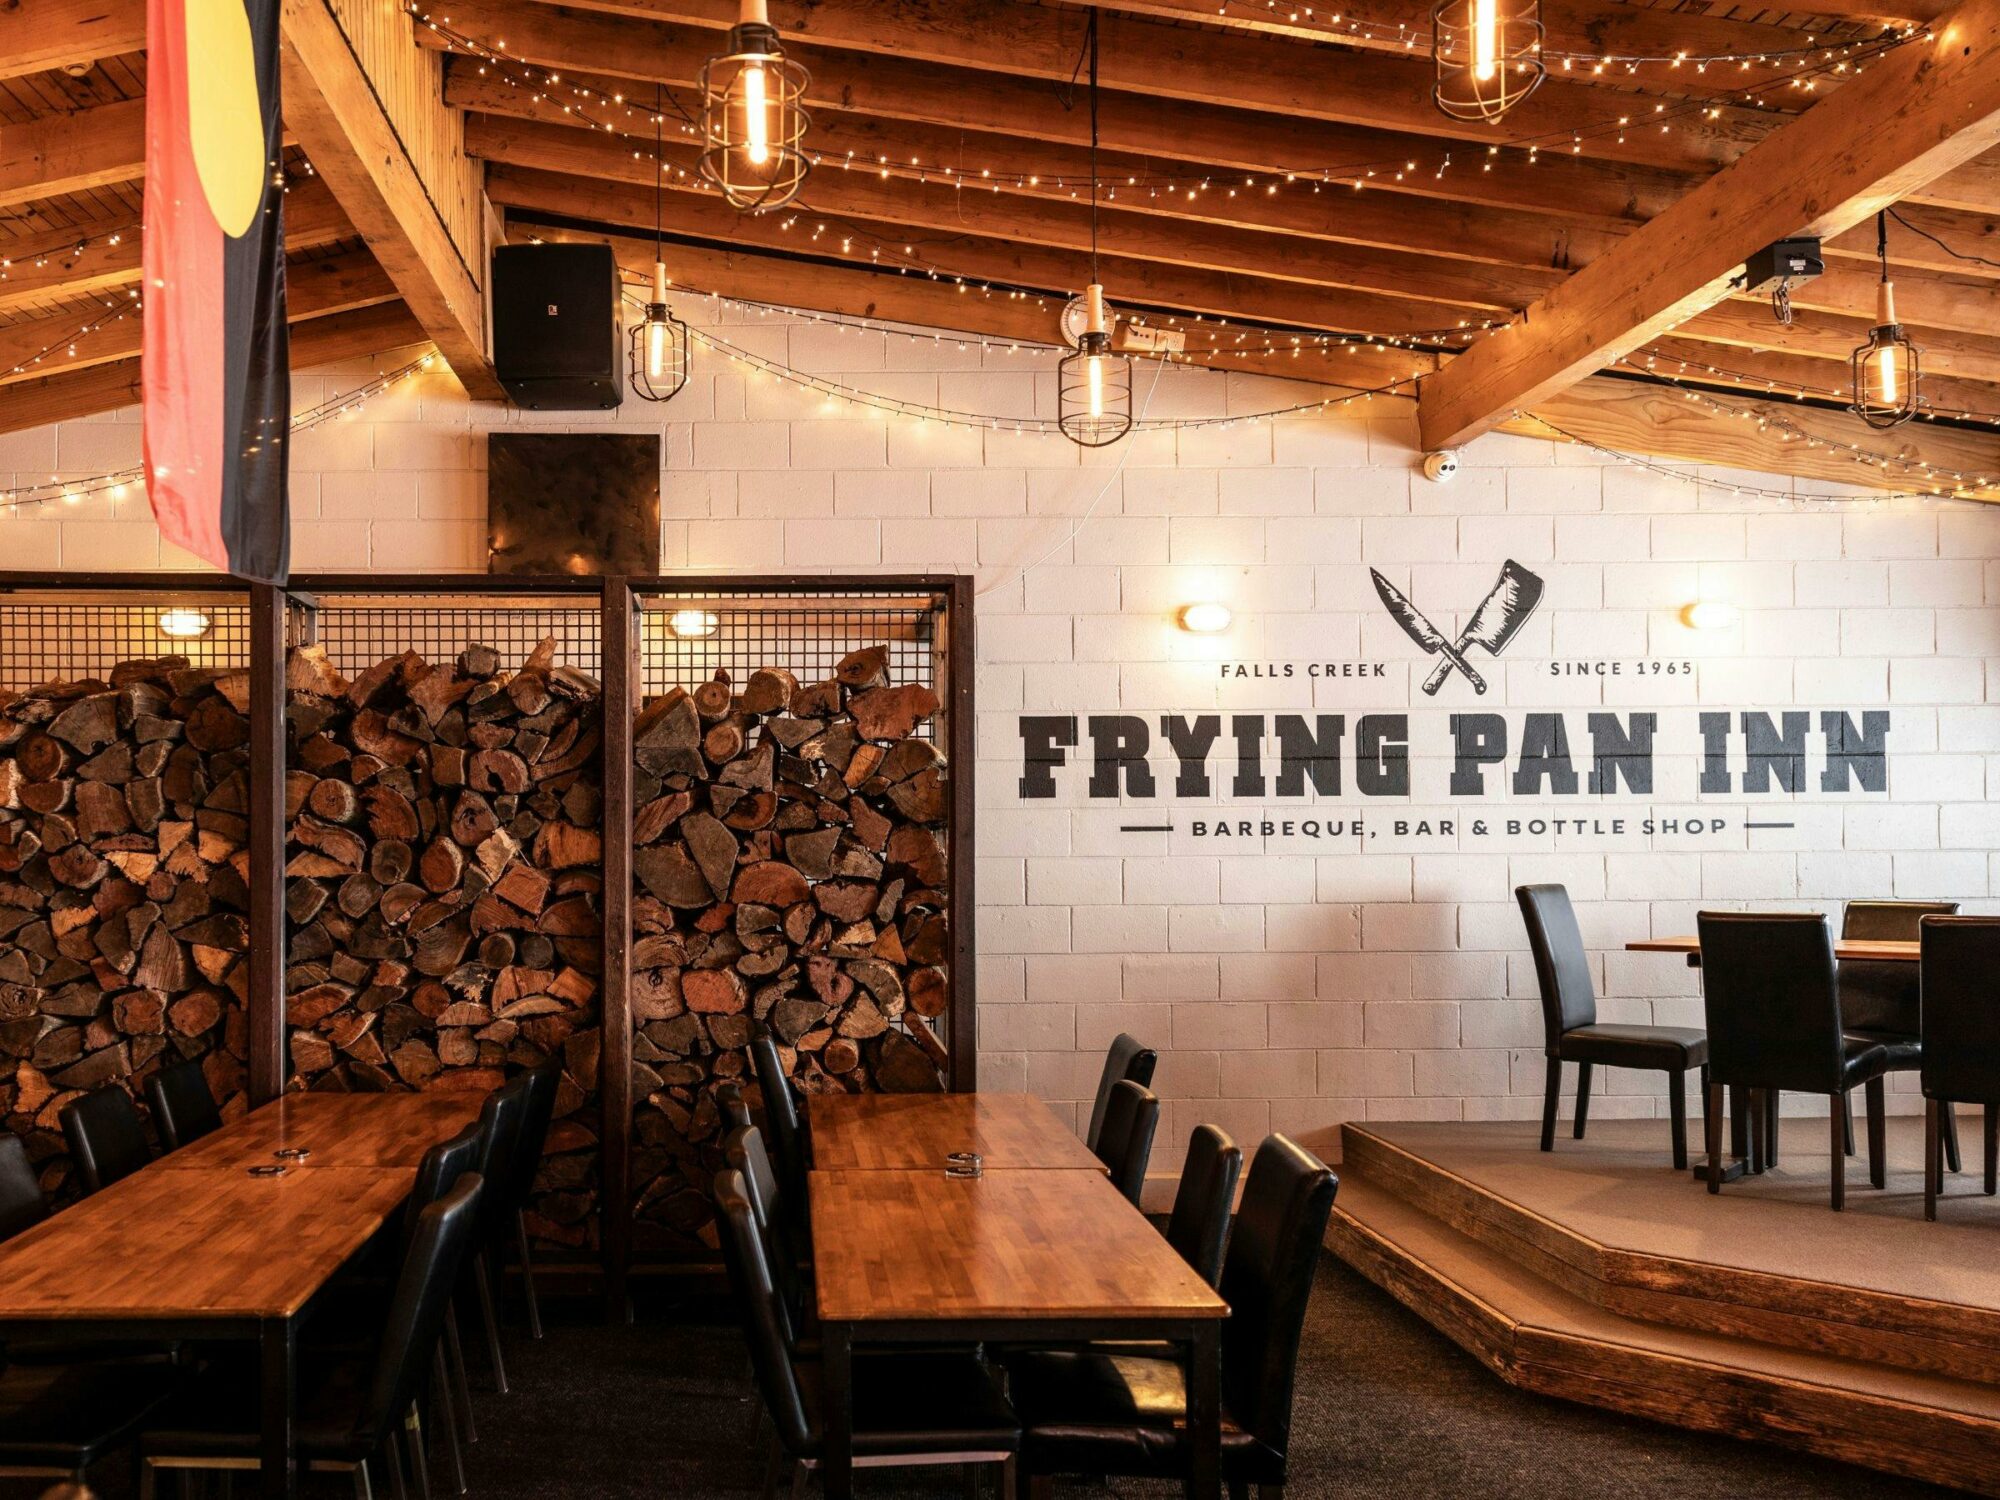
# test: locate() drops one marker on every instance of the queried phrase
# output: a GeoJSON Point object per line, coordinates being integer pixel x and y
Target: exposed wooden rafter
{"type": "Point", "coordinates": [337, 112]}
{"type": "Point", "coordinates": [59, 154]}
{"type": "Point", "coordinates": [1911, 117]}
{"type": "Point", "coordinates": [36, 35]}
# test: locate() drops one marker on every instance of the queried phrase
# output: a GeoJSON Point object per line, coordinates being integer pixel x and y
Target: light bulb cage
{"type": "Point", "coordinates": [673, 377]}
{"type": "Point", "coordinates": [1457, 88]}
{"type": "Point", "coordinates": [1871, 404]}
{"type": "Point", "coordinates": [754, 187]}
{"type": "Point", "coordinates": [1113, 418]}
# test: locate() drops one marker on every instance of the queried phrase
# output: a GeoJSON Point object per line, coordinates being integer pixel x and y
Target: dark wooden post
{"type": "Point", "coordinates": [266, 1005]}
{"type": "Point", "coordinates": [961, 663]}
{"type": "Point", "coordinates": [620, 635]}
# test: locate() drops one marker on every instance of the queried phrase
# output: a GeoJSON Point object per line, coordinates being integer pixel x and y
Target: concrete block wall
{"type": "Point", "coordinates": [1290, 982]}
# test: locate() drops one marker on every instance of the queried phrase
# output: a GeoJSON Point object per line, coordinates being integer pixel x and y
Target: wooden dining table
{"type": "Point", "coordinates": [901, 1132]}
{"type": "Point", "coordinates": [222, 1241]}
{"type": "Point", "coordinates": [1021, 1253]}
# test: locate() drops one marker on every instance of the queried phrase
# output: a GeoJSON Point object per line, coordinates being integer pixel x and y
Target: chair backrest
{"type": "Point", "coordinates": [540, 1084]}
{"type": "Point", "coordinates": [438, 1173]}
{"type": "Point", "coordinates": [1125, 1144]}
{"type": "Point", "coordinates": [445, 1232]}
{"type": "Point", "coordinates": [1878, 994]}
{"type": "Point", "coordinates": [763, 1318]}
{"type": "Point", "coordinates": [1267, 1280]}
{"type": "Point", "coordinates": [1562, 968]}
{"type": "Point", "coordinates": [734, 1107]}
{"type": "Point", "coordinates": [107, 1139]}
{"type": "Point", "coordinates": [501, 1120]}
{"type": "Point", "coordinates": [743, 1149]}
{"type": "Point", "coordinates": [1961, 1021]}
{"type": "Point", "coordinates": [1199, 1225]}
{"type": "Point", "coordinates": [1771, 990]}
{"type": "Point", "coordinates": [1126, 1058]}
{"type": "Point", "coordinates": [785, 1136]}
{"type": "Point", "coordinates": [183, 1108]}
{"type": "Point", "coordinates": [22, 1205]}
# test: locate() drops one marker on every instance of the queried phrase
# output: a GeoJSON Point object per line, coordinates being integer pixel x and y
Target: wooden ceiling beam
{"type": "Point", "coordinates": [1910, 117]}
{"type": "Point", "coordinates": [1180, 64]}
{"type": "Point", "coordinates": [99, 254]}
{"type": "Point", "coordinates": [1449, 289]}
{"type": "Point", "coordinates": [36, 35]}
{"type": "Point", "coordinates": [1053, 275]}
{"type": "Point", "coordinates": [57, 154]}
{"type": "Point", "coordinates": [110, 387]}
{"type": "Point", "coordinates": [1629, 417]}
{"type": "Point", "coordinates": [314, 289]}
{"type": "Point", "coordinates": [337, 112]}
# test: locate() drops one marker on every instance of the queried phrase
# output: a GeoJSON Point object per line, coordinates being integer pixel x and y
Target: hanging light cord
{"type": "Point", "coordinates": [1964, 255]}
{"type": "Point", "coordinates": [1882, 241]}
{"type": "Point", "coordinates": [1093, 148]}
{"type": "Point", "coordinates": [659, 167]}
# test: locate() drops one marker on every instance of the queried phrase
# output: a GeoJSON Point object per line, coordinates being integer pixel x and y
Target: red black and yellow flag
{"type": "Point", "coordinates": [216, 379]}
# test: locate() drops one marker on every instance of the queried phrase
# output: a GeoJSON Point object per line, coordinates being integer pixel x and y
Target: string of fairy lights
{"type": "Point", "coordinates": [118, 482]}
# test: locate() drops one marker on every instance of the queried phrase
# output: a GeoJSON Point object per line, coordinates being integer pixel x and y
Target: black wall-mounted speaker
{"type": "Point", "coordinates": [558, 340]}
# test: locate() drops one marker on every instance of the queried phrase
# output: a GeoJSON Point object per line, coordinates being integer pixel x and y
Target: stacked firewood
{"type": "Point", "coordinates": [123, 889]}
{"type": "Point", "coordinates": [791, 874]}
{"type": "Point", "coordinates": [443, 885]}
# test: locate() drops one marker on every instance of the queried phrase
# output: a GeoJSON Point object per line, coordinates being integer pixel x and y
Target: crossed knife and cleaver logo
{"type": "Point", "coordinates": [1496, 622]}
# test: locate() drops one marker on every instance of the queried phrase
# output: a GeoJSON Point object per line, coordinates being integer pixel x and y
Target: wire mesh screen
{"type": "Point", "coordinates": [360, 630]}
{"type": "Point", "coordinates": [67, 637]}
{"type": "Point", "coordinates": [685, 638]}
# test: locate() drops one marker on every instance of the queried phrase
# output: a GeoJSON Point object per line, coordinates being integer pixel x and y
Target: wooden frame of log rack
{"type": "Point", "coordinates": [620, 606]}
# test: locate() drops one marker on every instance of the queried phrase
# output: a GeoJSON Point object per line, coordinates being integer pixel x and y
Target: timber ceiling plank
{"type": "Point", "coordinates": [1914, 115]}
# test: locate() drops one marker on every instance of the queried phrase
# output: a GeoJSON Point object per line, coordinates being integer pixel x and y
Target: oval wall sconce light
{"type": "Point", "coordinates": [184, 624]}
{"type": "Point", "coordinates": [1709, 614]}
{"type": "Point", "coordinates": [1206, 618]}
{"type": "Point", "coordinates": [692, 624]}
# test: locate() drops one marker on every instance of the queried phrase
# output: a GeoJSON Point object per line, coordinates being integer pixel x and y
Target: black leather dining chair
{"type": "Point", "coordinates": [1125, 1144]}
{"type": "Point", "coordinates": [1772, 992]}
{"type": "Point", "coordinates": [1090, 1412]}
{"type": "Point", "coordinates": [1879, 999]}
{"type": "Point", "coordinates": [1198, 1227]}
{"type": "Point", "coordinates": [357, 1411]}
{"type": "Point", "coordinates": [56, 1421]}
{"type": "Point", "coordinates": [909, 1408]}
{"type": "Point", "coordinates": [733, 1107]}
{"type": "Point", "coordinates": [501, 1120]}
{"type": "Point", "coordinates": [1126, 1058]}
{"type": "Point", "coordinates": [1961, 1038]}
{"type": "Point", "coordinates": [22, 1205]}
{"type": "Point", "coordinates": [183, 1108]}
{"type": "Point", "coordinates": [107, 1139]}
{"type": "Point", "coordinates": [743, 1148]}
{"type": "Point", "coordinates": [785, 1139]}
{"type": "Point", "coordinates": [1571, 1031]}
{"type": "Point", "coordinates": [541, 1083]}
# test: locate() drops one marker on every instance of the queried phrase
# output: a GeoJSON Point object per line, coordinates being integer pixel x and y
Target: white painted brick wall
{"type": "Point", "coordinates": [1287, 986]}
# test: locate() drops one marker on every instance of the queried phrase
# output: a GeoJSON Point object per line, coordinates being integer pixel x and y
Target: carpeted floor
{"type": "Point", "coordinates": [1386, 1407]}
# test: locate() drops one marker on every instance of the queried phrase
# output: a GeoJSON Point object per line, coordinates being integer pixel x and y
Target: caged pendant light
{"type": "Point", "coordinates": [753, 117]}
{"type": "Point", "coordinates": [1094, 385]}
{"type": "Point", "coordinates": [1486, 56]}
{"type": "Point", "coordinates": [659, 365]}
{"type": "Point", "coordinates": [1888, 367]}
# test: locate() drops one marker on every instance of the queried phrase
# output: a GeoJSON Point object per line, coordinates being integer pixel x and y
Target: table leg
{"type": "Point", "coordinates": [277, 1340]}
{"type": "Point", "coordinates": [837, 1395]}
{"type": "Point", "coordinates": [1205, 1411]}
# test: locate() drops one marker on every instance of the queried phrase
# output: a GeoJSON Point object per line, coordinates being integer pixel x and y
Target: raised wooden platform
{"type": "Point", "coordinates": [1599, 1274]}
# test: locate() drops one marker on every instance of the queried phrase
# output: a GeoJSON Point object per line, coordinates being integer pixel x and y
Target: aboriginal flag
{"type": "Point", "coordinates": [216, 379]}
